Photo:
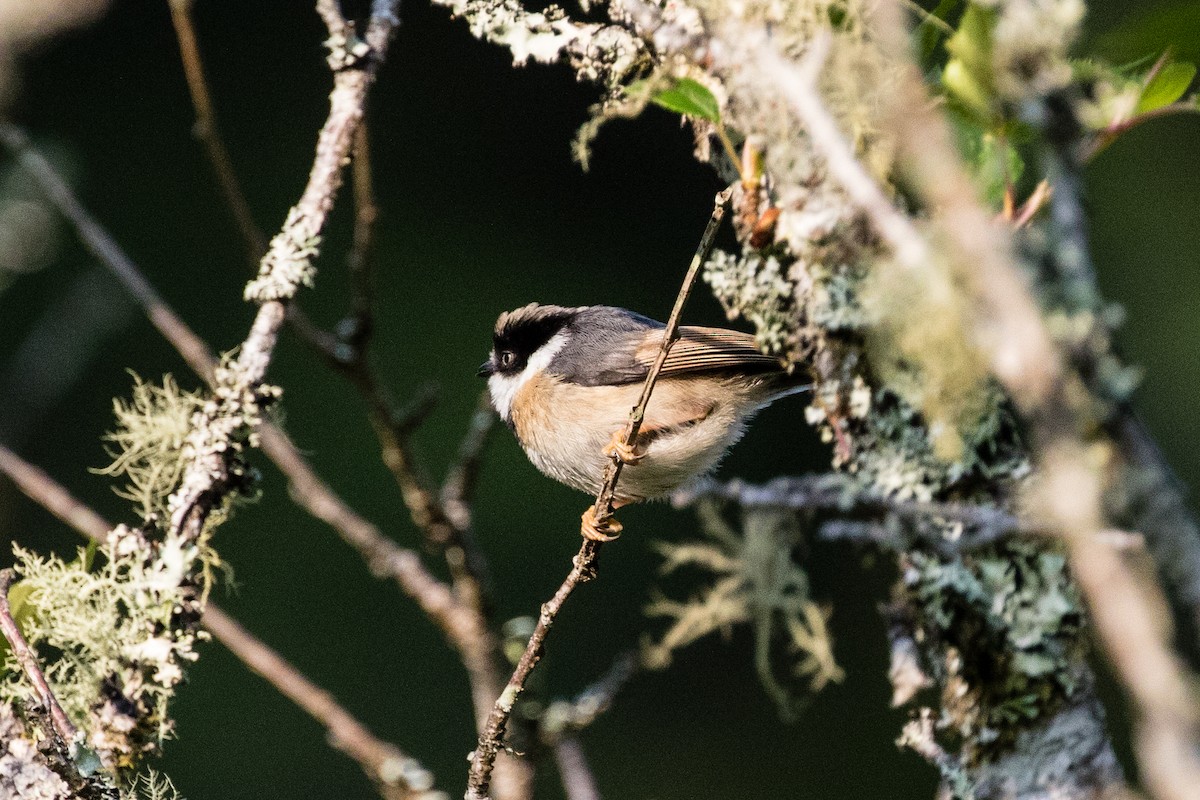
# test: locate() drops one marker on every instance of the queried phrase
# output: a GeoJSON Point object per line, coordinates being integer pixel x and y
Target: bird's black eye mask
{"type": "Point", "coordinates": [520, 338]}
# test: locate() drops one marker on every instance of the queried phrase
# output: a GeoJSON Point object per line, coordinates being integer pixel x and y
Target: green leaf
{"type": "Point", "coordinates": [18, 600]}
{"type": "Point", "coordinates": [20, 608]}
{"type": "Point", "coordinates": [690, 98]}
{"type": "Point", "coordinates": [965, 89]}
{"type": "Point", "coordinates": [87, 556]}
{"type": "Point", "coordinates": [972, 42]}
{"type": "Point", "coordinates": [967, 77]}
{"type": "Point", "coordinates": [929, 32]}
{"type": "Point", "coordinates": [1166, 86]}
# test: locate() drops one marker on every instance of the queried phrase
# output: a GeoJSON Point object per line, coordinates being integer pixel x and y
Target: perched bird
{"type": "Point", "coordinates": [565, 379]}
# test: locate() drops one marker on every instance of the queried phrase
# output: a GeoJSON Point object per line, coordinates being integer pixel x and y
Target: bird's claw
{"type": "Point", "coordinates": [602, 530]}
{"type": "Point", "coordinates": [626, 453]}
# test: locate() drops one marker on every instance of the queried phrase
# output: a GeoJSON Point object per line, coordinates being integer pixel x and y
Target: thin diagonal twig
{"type": "Point", "coordinates": [63, 727]}
{"type": "Point", "coordinates": [207, 130]}
{"type": "Point", "coordinates": [583, 566]}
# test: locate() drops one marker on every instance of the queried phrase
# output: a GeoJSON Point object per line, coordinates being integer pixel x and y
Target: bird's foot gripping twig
{"type": "Point", "coordinates": [626, 452]}
{"type": "Point", "coordinates": [604, 529]}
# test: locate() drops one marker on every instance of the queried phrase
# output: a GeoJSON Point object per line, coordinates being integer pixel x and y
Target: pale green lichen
{"type": "Point", "coordinates": [752, 580]}
{"type": "Point", "coordinates": [1030, 44]}
{"type": "Point", "coordinates": [152, 785]}
{"type": "Point", "coordinates": [114, 638]}
{"type": "Point", "coordinates": [147, 444]}
{"type": "Point", "coordinates": [115, 627]}
{"type": "Point", "coordinates": [917, 348]}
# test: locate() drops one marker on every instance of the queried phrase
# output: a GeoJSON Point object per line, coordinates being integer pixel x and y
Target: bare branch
{"type": "Point", "coordinates": [397, 775]}
{"type": "Point", "coordinates": [583, 566]}
{"type": "Point", "coordinates": [464, 626]}
{"type": "Point", "coordinates": [101, 245]}
{"type": "Point", "coordinates": [603, 507]}
{"type": "Point", "coordinates": [564, 718]}
{"type": "Point", "coordinates": [577, 779]}
{"type": "Point", "coordinates": [362, 249]}
{"type": "Point", "coordinates": [63, 727]}
{"type": "Point", "coordinates": [208, 132]}
{"type": "Point", "coordinates": [483, 759]}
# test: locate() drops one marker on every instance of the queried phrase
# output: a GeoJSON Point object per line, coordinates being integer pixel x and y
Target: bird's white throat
{"type": "Point", "coordinates": [503, 388]}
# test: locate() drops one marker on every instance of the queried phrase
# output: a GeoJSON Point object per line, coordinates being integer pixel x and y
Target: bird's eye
{"type": "Point", "coordinates": [507, 358]}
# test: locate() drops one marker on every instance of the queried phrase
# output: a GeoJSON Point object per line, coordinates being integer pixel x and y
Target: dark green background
{"type": "Point", "coordinates": [482, 211]}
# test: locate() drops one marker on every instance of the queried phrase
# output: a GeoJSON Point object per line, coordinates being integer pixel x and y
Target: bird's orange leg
{"type": "Point", "coordinates": [599, 531]}
{"type": "Point", "coordinates": [616, 448]}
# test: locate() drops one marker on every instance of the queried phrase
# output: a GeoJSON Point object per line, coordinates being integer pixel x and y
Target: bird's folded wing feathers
{"type": "Point", "coordinates": [705, 350]}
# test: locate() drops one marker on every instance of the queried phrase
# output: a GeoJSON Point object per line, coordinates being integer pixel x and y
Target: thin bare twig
{"type": "Point", "coordinates": [362, 247]}
{"type": "Point", "coordinates": [604, 498]}
{"type": "Point", "coordinates": [101, 245]}
{"type": "Point", "coordinates": [583, 566]}
{"type": "Point", "coordinates": [563, 720]}
{"type": "Point", "coordinates": [63, 727]}
{"type": "Point", "coordinates": [397, 774]}
{"type": "Point", "coordinates": [207, 130]}
{"type": "Point", "coordinates": [577, 779]}
{"type": "Point", "coordinates": [568, 717]}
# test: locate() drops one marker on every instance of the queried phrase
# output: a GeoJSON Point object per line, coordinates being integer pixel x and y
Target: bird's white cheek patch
{"type": "Point", "coordinates": [503, 388]}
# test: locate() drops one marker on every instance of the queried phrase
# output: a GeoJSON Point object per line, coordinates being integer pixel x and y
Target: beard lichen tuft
{"type": "Point", "coordinates": [147, 444]}
{"type": "Point", "coordinates": [753, 580]}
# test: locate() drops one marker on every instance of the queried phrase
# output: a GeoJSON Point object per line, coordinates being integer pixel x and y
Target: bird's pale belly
{"type": "Point", "coordinates": [684, 441]}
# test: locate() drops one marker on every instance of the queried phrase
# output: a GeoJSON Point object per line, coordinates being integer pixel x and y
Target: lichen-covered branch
{"type": "Point", "coordinates": [857, 515]}
{"type": "Point", "coordinates": [397, 774]}
{"type": "Point", "coordinates": [61, 748]}
{"type": "Point", "coordinates": [465, 619]}
{"type": "Point", "coordinates": [1058, 413]}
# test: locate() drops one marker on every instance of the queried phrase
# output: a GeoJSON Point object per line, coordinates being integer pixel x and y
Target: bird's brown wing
{"type": "Point", "coordinates": [700, 350]}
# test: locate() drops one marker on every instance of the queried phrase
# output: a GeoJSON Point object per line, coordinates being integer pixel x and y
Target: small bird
{"type": "Point", "coordinates": [564, 381]}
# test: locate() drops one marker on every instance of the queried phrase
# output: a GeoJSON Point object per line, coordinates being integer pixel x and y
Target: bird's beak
{"type": "Point", "coordinates": [485, 369]}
